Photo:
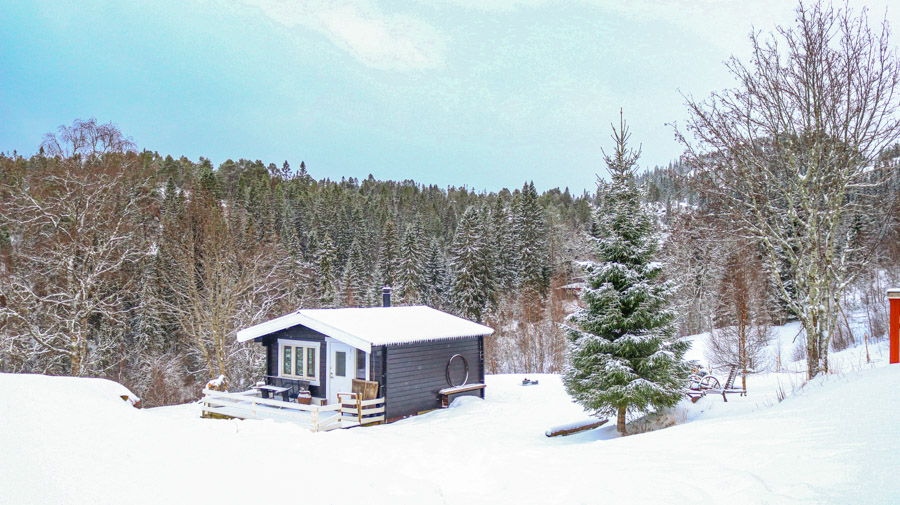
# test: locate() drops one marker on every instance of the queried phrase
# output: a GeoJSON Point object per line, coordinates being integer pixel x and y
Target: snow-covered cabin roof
{"type": "Point", "coordinates": [366, 327]}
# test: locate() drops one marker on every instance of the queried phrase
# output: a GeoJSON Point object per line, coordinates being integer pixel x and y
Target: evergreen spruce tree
{"type": "Point", "coordinates": [354, 282]}
{"type": "Point", "coordinates": [472, 286]}
{"type": "Point", "coordinates": [172, 201]}
{"type": "Point", "coordinates": [435, 277]}
{"type": "Point", "coordinates": [530, 228]}
{"type": "Point", "coordinates": [389, 260]}
{"type": "Point", "coordinates": [411, 267]}
{"type": "Point", "coordinates": [506, 252]}
{"type": "Point", "coordinates": [623, 358]}
{"type": "Point", "coordinates": [487, 260]}
{"type": "Point", "coordinates": [326, 258]}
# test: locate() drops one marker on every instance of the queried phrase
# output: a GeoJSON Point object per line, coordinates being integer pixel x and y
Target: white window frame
{"type": "Point", "coordinates": [282, 343]}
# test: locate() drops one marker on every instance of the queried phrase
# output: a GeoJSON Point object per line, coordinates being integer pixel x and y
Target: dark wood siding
{"type": "Point", "coordinates": [304, 334]}
{"type": "Point", "coordinates": [481, 362]}
{"type": "Point", "coordinates": [414, 373]}
{"type": "Point", "coordinates": [271, 355]}
{"type": "Point", "coordinates": [409, 375]}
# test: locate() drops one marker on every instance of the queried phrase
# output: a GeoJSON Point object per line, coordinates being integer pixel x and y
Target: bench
{"type": "Point", "coordinates": [446, 393]}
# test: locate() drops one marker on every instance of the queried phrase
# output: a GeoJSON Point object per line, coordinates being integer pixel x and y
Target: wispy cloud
{"type": "Point", "coordinates": [376, 39]}
{"type": "Point", "coordinates": [721, 22]}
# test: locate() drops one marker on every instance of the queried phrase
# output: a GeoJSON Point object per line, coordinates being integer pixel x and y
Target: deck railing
{"type": "Point", "coordinates": [358, 412]}
{"type": "Point", "coordinates": [345, 414]}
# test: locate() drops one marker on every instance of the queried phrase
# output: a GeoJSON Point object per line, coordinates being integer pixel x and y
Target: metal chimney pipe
{"type": "Point", "coordinates": [386, 296]}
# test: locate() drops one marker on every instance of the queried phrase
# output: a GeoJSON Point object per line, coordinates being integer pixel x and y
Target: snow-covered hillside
{"type": "Point", "coordinates": [73, 441]}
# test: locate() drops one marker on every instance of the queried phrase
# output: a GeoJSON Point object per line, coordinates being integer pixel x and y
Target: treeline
{"type": "Point", "coordinates": [141, 268]}
{"type": "Point", "coordinates": [128, 265]}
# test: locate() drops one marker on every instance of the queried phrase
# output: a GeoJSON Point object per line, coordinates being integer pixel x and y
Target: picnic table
{"type": "Point", "coordinates": [266, 389]}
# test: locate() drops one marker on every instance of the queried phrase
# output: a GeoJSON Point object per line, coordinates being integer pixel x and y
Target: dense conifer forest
{"type": "Point", "coordinates": [140, 267]}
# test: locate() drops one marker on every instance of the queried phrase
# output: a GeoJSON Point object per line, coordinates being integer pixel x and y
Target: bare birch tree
{"type": "Point", "coordinates": [786, 153]}
{"type": "Point", "coordinates": [72, 212]}
{"type": "Point", "coordinates": [694, 265]}
{"type": "Point", "coordinates": [742, 317]}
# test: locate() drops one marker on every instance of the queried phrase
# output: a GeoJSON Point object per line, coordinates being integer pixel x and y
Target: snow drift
{"type": "Point", "coordinates": [67, 440]}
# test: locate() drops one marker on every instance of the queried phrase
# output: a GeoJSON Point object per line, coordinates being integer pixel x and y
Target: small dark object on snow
{"type": "Point", "coordinates": [528, 382]}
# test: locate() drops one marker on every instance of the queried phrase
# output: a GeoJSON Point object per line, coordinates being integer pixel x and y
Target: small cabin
{"type": "Point", "coordinates": [420, 357]}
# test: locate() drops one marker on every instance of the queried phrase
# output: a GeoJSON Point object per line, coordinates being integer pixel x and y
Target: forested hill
{"type": "Point", "coordinates": [141, 268]}
{"type": "Point", "coordinates": [668, 185]}
{"type": "Point", "coordinates": [129, 265]}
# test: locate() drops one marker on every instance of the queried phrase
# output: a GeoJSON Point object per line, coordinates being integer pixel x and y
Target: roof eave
{"type": "Point", "coordinates": [335, 333]}
{"type": "Point", "coordinates": [435, 339]}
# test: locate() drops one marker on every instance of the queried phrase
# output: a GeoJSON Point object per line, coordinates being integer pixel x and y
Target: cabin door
{"type": "Point", "coordinates": [340, 370]}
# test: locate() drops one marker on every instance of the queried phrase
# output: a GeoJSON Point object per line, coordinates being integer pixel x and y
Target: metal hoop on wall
{"type": "Point", "coordinates": [465, 362]}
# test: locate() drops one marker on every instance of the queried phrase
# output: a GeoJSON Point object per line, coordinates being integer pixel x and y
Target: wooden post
{"type": "Point", "coordinates": [894, 299]}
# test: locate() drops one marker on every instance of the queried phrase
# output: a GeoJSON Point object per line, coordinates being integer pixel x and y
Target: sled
{"type": "Point", "coordinates": [529, 382]}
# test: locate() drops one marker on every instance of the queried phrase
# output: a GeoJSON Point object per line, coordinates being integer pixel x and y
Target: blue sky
{"type": "Point", "coordinates": [486, 94]}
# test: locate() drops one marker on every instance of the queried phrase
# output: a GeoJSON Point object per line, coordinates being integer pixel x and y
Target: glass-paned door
{"type": "Point", "coordinates": [339, 380]}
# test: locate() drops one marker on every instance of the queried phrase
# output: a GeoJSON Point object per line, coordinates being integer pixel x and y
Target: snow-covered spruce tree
{"type": "Point", "coordinates": [531, 238]}
{"type": "Point", "coordinates": [354, 281]}
{"type": "Point", "coordinates": [623, 358]}
{"type": "Point", "coordinates": [326, 258]}
{"type": "Point", "coordinates": [503, 240]}
{"type": "Point", "coordinates": [389, 256]}
{"type": "Point", "coordinates": [411, 267]}
{"type": "Point", "coordinates": [472, 287]}
{"type": "Point", "coordinates": [435, 277]}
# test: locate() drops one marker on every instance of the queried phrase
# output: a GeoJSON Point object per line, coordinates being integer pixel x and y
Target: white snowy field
{"type": "Point", "coordinates": [836, 440]}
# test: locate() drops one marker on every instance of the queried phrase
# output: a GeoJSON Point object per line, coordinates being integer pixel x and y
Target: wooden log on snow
{"type": "Point", "coordinates": [572, 428]}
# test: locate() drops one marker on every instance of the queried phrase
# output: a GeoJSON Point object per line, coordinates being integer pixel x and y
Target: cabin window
{"type": "Point", "coordinates": [286, 360]}
{"type": "Point", "coordinates": [361, 364]}
{"type": "Point", "coordinates": [311, 361]}
{"type": "Point", "coordinates": [298, 361]}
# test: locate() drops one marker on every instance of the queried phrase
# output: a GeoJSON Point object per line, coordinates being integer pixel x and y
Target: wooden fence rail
{"type": "Point", "coordinates": [358, 412]}
{"type": "Point", "coordinates": [349, 412]}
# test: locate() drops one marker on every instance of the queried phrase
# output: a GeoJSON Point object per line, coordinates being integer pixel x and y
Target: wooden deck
{"type": "Point", "coordinates": [247, 405]}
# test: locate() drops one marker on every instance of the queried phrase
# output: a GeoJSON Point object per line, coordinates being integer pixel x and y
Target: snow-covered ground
{"type": "Point", "coordinates": [835, 440]}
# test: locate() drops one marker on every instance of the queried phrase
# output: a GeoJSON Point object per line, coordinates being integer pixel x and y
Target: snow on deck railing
{"type": "Point", "coordinates": [315, 417]}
